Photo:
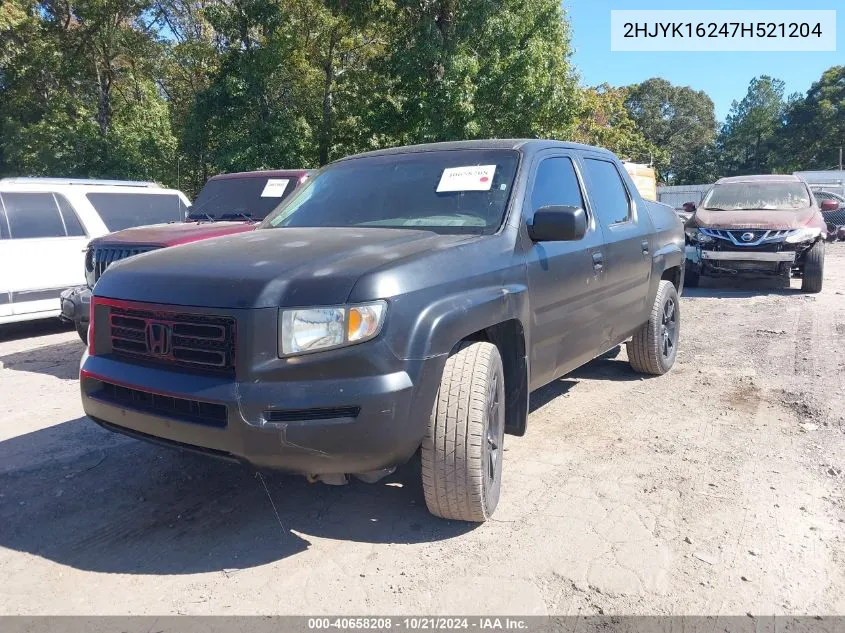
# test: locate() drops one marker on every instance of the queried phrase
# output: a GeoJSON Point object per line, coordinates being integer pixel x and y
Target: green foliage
{"type": "Point", "coordinates": [178, 90]}
{"type": "Point", "coordinates": [604, 120]}
{"type": "Point", "coordinates": [814, 126]}
{"type": "Point", "coordinates": [679, 120]}
{"type": "Point", "coordinates": [747, 139]}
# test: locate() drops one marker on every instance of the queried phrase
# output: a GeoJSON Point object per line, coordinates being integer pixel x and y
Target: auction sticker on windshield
{"type": "Point", "coordinates": [472, 178]}
{"type": "Point", "coordinates": [275, 187]}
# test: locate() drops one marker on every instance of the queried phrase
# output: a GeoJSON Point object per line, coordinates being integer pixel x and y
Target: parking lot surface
{"type": "Point", "coordinates": [716, 489]}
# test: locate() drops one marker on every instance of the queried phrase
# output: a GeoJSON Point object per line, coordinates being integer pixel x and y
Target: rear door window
{"type": "Point", "coordinates": [72, 224]}
{"type": "Point", "coordinates": [33, 215]}
{"type": "Point", "coordinates": [608, 193]}
{"type": "Point", "coordinates": [126, 210]}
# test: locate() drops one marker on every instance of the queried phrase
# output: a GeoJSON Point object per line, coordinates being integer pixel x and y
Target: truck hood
{"type": "Point", "coordinates": [267, 268]}
{"type": "Point", "coordinates": [172, 234]}
{"type": "Point", "coordinates": [772, 219]}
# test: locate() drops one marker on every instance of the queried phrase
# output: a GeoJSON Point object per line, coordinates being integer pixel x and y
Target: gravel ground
{"type": "Point", "coordinates": [717, 489]}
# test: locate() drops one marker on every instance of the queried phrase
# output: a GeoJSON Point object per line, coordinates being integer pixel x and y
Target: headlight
{"type": "Point", "coordinates": [695, 236]}
{"type": "Point", "coordinates": [803, 235]}
{"type": "Point", "coordinates": [306, 330]}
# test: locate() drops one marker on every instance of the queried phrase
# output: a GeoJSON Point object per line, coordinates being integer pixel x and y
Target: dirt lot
{"type": "Point", "coordinates": [717, 489]}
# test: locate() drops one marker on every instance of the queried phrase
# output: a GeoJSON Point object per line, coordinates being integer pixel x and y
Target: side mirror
{"type": "Point", "coordinates": [829, 205]}
{"type": "Point", "coordinates": [555, 223]}
{"type": "Point", "coordinates": [689, 207]}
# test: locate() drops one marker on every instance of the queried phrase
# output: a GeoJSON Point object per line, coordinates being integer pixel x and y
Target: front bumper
{"type": "Point", "coordinates": [76, 304]}
{"type": "Point", "coordinates": [332, 425]}
{"type": "Point", "coordinates": [755, 256]}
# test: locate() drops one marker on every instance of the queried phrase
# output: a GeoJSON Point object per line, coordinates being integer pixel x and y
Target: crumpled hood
{"type": "Point", "coordinates": [755, 219]}
{"type": "Point", "coordinates": [172, 234]}
{"type": "Point", "coordinates": [266, 268]}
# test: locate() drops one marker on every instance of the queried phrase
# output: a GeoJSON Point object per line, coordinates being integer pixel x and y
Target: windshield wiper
{"type": "Point", "coordinates": [201, 216]}
{"type": "Point", "coordinates": [245, 216]}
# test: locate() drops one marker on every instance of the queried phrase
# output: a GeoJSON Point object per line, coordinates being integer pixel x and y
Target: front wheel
{"type": "Point", "coordinates": [653, 348]}
{"type": "Point", "coordinates": [813, 268]}
{"type": "Point", "coordinates": [462, 450]}
{"type": "Point", "coordinates": [82, 330]}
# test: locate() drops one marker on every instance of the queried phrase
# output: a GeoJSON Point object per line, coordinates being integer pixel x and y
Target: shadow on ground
{"type": "Point", "coordinates": [32, 329]}
{"type": "Point", "coordinates": [80, 496]}
{"type": "Point", "coordinates": [742, 287]}
{"type": "Point", "coordinates": [60, 360]}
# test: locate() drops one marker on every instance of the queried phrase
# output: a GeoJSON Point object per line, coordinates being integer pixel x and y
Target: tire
{"type": "Point", "coordinates": [813, 268]}
{"type": "Point", "coordinates": [654, 347]}
{"type": "Point", "coordinates": [463, 448]}
{"type": "Point", "coordinates": [82, 330]}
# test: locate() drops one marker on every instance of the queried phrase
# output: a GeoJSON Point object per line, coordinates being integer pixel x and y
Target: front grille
{"type": "Point", "coordinates": [299, 415]}
{"type": "Point", "coordinates": [755, 236]}
{"type": "Point", "coordinates": [196, 342]}
{"type": "Point", "coordinates": [195, 411]}
{"type": "Point", "coordinates": [101, 257]}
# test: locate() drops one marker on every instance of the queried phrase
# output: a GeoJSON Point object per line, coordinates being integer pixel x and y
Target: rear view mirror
{"type": "Point", "coordinates": [555, 223]}
{"type": "Point", "coordinates": [829, 205]}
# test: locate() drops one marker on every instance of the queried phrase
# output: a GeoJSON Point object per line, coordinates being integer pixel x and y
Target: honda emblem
{"type": "Point", "coordinates": [158, 339]}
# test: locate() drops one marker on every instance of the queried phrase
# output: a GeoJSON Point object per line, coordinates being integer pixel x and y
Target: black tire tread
{"type": "Point", "coordinates": [813, 268]}
{"type": "Point", "coordinates": [451, 456]}
{"type": "Point", "coordinates": [644, 347]}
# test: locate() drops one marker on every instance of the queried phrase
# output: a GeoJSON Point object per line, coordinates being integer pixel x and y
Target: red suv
{"type": "Point", "coordinates": [227, 204]}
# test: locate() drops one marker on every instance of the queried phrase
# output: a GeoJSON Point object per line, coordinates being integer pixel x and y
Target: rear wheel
{"type": "Point", "coordinates": [462, 450]}
{"type": "Point", "coordinates": [653, 348]}
{"type": "Point", "coordinates": [813, 268]}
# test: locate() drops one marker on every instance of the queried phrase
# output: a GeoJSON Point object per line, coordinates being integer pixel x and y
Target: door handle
{"type": "Point", "coordinates": [645, 247]}
{"type": "Point", "coordinates": [598, 261]}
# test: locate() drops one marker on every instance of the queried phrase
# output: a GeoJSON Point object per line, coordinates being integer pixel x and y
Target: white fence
{"type": "Point", "coordinates": [676, 196]}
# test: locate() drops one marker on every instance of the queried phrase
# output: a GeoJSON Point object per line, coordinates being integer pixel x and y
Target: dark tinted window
{"type": "Point", "coordinates": [33, 215]}
{"type": "Point", "coordinates": [556, 184]}
{"type": "Point", "coordinates": [233, 198]}
{"type": "Point", "coordinates": [608, 194]}
{"type": "Point", "coordinates": [72, 224]}
{"type": "Point", "coordinates": [124, 210]}
{"type": "Point", "coordinates": [458, 191]}
{"type": "Point", "coordinates": [4, 228]}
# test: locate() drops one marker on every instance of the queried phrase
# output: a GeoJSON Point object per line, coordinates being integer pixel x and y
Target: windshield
{"type": "Point", "coordinates": [458, 191]}
{"type": "Point", "coordinates": [127, 210]}
{"type": "Point", "coordinates": [735, 196]}
{"type": "Point", "coordinates": [240, 198]}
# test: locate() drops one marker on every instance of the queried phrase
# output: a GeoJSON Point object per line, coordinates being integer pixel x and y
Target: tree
{"type": "Point", "coordinates": [814, 128]}
{"type": "Point", "coordinates": [746, 141]}
{"type": "Point", "coordinates": [603, 120]}
{"type": "Point", "coordinates": [474, 68]}
{"type": "Point", "coordinates": [679, 120]}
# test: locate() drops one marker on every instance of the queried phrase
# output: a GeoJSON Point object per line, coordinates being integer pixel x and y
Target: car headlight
{"type": "Point", "coordinates": [803, 235]}
{"type": "Point", "coordinates": [694, 236]}
{"type": "Point", "coordinates": [306, 330]}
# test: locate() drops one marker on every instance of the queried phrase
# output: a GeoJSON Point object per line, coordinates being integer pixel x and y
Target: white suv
{"type": "Point", "coordinates": [45, 225]}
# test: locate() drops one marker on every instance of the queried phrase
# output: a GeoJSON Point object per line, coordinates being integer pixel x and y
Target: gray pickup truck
{"type": "Point", "coordinates": [402, 300]}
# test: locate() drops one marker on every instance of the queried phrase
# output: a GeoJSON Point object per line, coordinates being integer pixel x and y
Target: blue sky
{"type": "Point", "coordinates": [724, 76]}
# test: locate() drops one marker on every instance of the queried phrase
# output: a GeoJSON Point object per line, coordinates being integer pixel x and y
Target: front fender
{"type": "Point", "coordinates": [442, 324]}
{"type": "Point", "coordinates": [668, 256]}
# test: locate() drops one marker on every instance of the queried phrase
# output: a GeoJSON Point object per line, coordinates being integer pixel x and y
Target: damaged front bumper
{"type": "Point", "coordinates": [76, 305]}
